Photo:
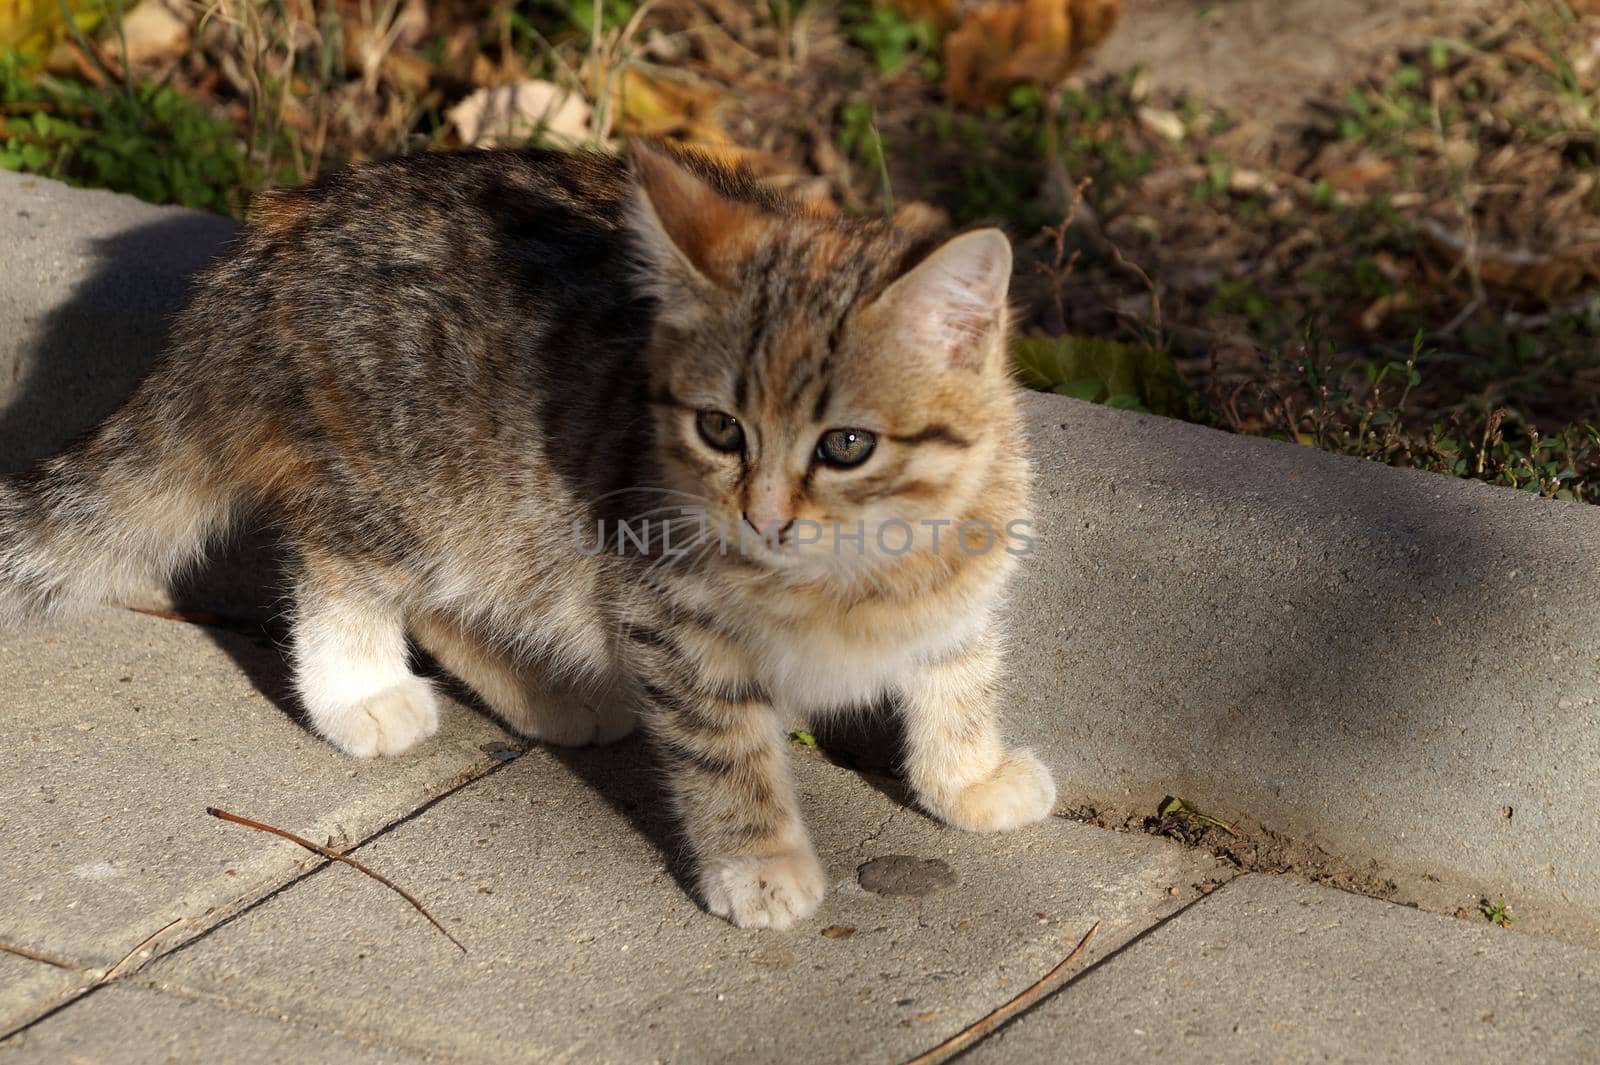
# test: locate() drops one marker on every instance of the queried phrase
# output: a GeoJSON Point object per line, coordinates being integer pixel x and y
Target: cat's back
{"type": "Point", "coordinates": [449, 209]}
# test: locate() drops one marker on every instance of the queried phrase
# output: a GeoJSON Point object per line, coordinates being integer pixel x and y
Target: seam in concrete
{"type": "Point", "coordinates": [224, 916]}
{"type": "Point", "coordinates": [282, 1016]}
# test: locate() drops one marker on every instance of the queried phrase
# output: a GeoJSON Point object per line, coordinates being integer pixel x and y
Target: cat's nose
{"type": "Point", "coordinates": [771, 529]}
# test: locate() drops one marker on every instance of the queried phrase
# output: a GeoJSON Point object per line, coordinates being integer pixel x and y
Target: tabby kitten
{"type": "Point", "coordinates": [444, 376]}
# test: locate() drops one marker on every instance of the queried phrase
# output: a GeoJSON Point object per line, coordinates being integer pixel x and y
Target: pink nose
{"type": "Point", "coordinates": [768, 528]}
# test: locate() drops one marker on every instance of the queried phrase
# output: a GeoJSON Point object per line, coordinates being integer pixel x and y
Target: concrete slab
{"type": "Point", "coordinates": [123, 1024]}
{"type": "Point", "coordinates": [1274, 969]}
{"type": "Point", "coordinates": [91, 279]}
{"type": "Point", "coordinates": [584, 948]}
{"type": "Point", "coordinates": [1339, 650]}
{"type": "Point", "coordinates": [121, 730]}
{"type": "Point", "coordinates": [30, 989]}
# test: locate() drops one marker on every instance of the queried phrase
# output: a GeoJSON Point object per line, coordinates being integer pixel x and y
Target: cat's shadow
{"type": "Point", "coordinates": [627, 776]}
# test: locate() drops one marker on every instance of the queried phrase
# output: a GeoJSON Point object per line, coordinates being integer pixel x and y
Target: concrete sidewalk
{"type": "Point", "coordinates": [154, 932]}
{"type": "Point", "coordinates": [1401, 669]}
{"type": "Point", "coordinates": [136, 928]}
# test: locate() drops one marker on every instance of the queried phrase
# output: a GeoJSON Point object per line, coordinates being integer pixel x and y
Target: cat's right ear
{"type": "Point", "coordinates": [689, 234]}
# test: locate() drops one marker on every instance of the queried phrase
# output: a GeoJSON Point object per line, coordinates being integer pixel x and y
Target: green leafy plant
{"type": "Point", "coordinates": [891, 38]}
{"type": "Point", "coordinates": [147, 140]}
{"type": "Point", "coordinates": [1496, 912]}
{"type": "Point", "coordinates": [1173, 806]}
{"type": "Point", "coordinates": [579, 14]}
{"type": "Point", "coordinates": [1126, 376]}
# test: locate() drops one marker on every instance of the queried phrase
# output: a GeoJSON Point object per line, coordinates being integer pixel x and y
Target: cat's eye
{"type": "Point", "coordinates": [721, 431]}
{"type": "Point", "coordinates": [844, 448]}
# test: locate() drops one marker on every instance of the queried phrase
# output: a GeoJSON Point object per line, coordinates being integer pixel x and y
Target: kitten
{"type": "Point", "coordinates": [451, 378]}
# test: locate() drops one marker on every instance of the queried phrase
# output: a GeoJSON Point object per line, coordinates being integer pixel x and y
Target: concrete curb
{"type": "Point", "coordinates": [1401, 668]}
{"type": "Point", "coordinates": [1397, 666]}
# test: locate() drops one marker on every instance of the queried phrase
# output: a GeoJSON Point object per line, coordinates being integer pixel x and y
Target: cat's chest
{"type": "Point", "coordinates": [830, 666]}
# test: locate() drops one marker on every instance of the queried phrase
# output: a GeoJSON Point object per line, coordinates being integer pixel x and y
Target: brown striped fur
{"type": "Point", "coordinates": [437, 373]}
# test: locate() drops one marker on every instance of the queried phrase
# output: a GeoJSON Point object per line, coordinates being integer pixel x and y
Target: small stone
{"type": "Point", "coordinates": [901, 875]}
{"type": "Point", "coordinates": [838, 931]}
{"type": "Point", "coordinates": [1162, 123]}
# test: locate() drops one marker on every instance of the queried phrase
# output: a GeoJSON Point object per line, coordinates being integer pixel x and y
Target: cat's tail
{"type": "Point", "coordinates": [121, 512]}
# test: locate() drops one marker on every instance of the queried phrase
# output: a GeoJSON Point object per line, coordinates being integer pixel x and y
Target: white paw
{"type": "Point", "coordinates": [390, 722]}
{"type": "Point", "coordinates": [770, 892]}
{"type": "Point", "coordinates": [1018, 792]}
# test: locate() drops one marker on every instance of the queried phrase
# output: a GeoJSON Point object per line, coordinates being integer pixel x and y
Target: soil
{"type": "Point", "coordinates": [1250, 849]}
{"type": "Point", "coordinates": [1265, 60]}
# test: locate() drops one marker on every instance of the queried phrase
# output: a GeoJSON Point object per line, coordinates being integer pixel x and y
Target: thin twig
{"type": "Point", "coordinates": [982, 1027]}
{"type": "Point", "coordinates": [115, 970]}
{"type": "Point", "coordinates": [34, 955]}
{"type": "Point", "coordinates": [328, 852]}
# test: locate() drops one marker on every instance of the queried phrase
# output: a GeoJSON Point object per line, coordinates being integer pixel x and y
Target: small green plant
{"type": "Point", "coordinates": [147, 140]}
{"type": "Point", "coordinates": [1313, 400]}
{"type": "Point", "coordinates": [1125, 376]}
{"type": "Point", "coordinates": [1173, 806]}
{"type": "Point", "coordinates": [890, 38]}
{"type": "Point", "coordinates": [1496, 912]}
{"type": "Point", "coordinates": [802, 738]}
{"type": "Point", "coordinates": [579, 14]}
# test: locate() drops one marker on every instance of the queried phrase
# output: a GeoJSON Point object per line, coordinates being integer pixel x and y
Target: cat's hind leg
{"type": "Point", "coordinates": [527, 696]}
{"type": "Point", "coordinates": [351, 671]}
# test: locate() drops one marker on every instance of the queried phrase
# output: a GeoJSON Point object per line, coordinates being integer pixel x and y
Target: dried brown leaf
{"type": "Point", "coordinates": [1004, 43]}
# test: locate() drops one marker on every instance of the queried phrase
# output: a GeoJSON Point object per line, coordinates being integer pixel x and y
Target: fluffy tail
{"type": "Point", "coordinates": [121, 512]}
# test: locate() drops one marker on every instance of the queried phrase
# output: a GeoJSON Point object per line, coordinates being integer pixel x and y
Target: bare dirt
{"type": "Point", "coordinates": [1265, 60]}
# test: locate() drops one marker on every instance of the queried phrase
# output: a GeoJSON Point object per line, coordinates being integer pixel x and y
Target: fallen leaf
{"type": "Point", "coordinates": [836, 931]}
{"type": "Point", "coordinates": [153, 33]}
{"type": "Point", "coordinates": [407, 71]}
{"type": "Point", "coordinates": [1004, 43]}
{"type": "Point", "coordinates": [1545, 275]}
{"type": "Point", "coordinates": [939, 12]}
{"type": "Point", "coordinates": [520, 112]}
{"type": "Point", "coordinates": [1381, 309]}
{"type": "Point", "coordinates": [658, 105]}
{"type": "Point", "coordinates": [33, 25]}
{"type": "Point", "coordinates": [1353, 177]}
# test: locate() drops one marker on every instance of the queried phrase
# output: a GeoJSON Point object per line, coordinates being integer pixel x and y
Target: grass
{"type": "Point", "coordinates": [146, 139]}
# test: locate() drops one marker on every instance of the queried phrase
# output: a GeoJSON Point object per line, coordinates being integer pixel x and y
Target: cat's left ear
{"type": "Point", "coordinates": [953, 303]}
{"type": "Point", "coordinates": [691, 235]}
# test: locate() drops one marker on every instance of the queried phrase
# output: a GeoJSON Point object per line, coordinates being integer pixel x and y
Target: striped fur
{"type": "Point", "coordinates": [439, 375]}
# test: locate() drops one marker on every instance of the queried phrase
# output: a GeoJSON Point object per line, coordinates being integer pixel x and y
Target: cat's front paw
{"type": "Point", "coordinates": [1018, 792]}
{"type": "Point", "coordinates": [389, 722]}
{"type": "Point", "coordinates": [771, 892]}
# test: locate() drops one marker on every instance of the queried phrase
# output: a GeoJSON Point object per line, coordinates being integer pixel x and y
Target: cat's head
{"type": "Point", "coordinates": [835, 395]}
